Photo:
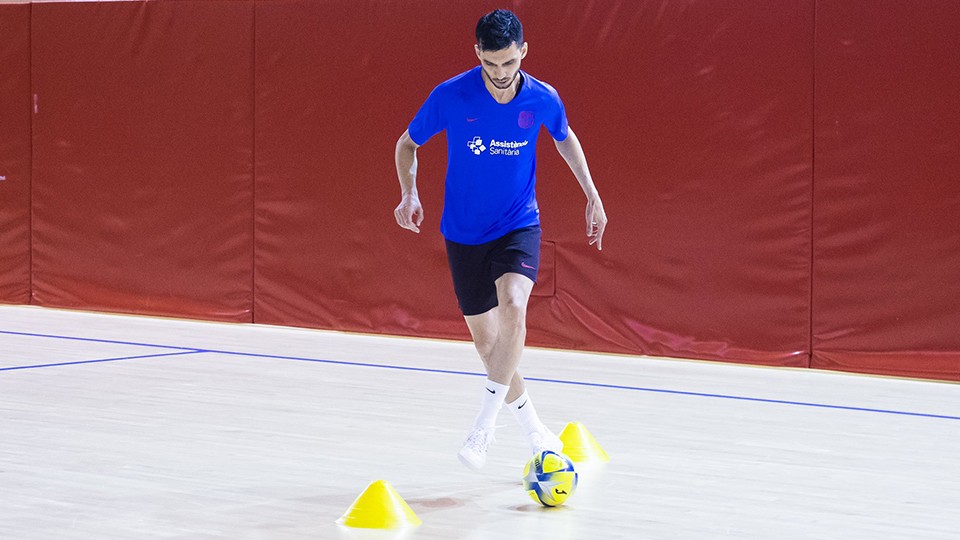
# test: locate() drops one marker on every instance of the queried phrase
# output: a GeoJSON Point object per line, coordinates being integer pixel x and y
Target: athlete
{"type": "Point", "coordinates": [491, 223]}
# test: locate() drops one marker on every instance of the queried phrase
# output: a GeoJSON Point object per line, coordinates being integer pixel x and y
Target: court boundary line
{"type": "Point", "coordinates": [96, 340]}
{"type": "Point", "coordinates": [100, 360]}
{"type": "Point", "coordinates": [181, 351]}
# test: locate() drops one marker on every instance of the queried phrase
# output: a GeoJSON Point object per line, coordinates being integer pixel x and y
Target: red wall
{"type": "Point", "coordinates": [887, 200]}
{"type": "Point", "coordinates": [779, 177]}
{"type": "Point", "coordinates": [15, 153]}
{"type": "Point", "coordinates": [680, 172]}
{"type": "Point", "coordinates": [696, 124]}
{"type": "Point", "coordinates": [142, 143]}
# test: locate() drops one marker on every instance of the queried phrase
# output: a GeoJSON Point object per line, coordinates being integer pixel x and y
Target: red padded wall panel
{"type": "Point", "coordinates": [887, 200]}
{"type": "Point", "coordinates": [15, 153]}
{"type": "Point", "coordinates": [142, 157]}
{"type": "Point", "coordinates": [696, 121]}
{"type": "Point", "coordinates": [332, 99]}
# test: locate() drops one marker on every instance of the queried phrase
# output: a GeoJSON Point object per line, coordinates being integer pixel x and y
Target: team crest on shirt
{"type": "Point", "coordinates": [476, 145]}
{"type": "Point", "coordinates": [525, 120]}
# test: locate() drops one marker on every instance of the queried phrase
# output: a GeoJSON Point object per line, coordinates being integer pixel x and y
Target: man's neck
{"type": "Point", "coordinates": [505, 95]}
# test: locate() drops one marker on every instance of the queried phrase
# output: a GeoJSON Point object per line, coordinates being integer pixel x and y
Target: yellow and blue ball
{"type": "Point", "coordinates": [549, 478]}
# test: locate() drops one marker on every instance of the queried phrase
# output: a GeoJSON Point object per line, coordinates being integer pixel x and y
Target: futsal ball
{"type": "Point", "coordinates": [549, 478]}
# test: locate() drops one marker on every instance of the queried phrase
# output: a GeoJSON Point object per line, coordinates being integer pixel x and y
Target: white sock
{"type": "Point", "coordinates": [523, 410]}
{"type": "Point", "coordinates": [490, 402]}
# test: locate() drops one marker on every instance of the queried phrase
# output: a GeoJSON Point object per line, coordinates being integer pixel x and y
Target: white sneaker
{"type": "Point", "coordinates": [544, 440]}
{"type": "Point", "coordinates": [474, 451]}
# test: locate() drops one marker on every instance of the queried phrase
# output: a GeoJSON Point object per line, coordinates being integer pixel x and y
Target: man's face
{"type": "Point", "coordinates": [502, 66]}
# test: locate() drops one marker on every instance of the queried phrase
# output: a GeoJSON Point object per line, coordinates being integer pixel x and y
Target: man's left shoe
{"type": "Point", "coordinates": [544, 440]}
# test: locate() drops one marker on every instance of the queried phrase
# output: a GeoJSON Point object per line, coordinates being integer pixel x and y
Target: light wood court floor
{"type": "Point", "coordinates": [117, 427]}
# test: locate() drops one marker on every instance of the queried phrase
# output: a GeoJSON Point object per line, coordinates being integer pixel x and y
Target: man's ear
{"type": "Point", "coordinates": [523, 50]}
{"type": "Point", "coordinates": [476, 49]}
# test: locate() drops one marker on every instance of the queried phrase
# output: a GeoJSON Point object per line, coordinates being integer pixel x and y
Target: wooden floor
{"type": "Point", "coordinates": [130, 427]}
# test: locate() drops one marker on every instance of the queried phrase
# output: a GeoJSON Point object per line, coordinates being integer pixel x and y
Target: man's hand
{"type": "Point", "coordinates": [572, 153]}
{"type": "Point", "coordinates": [596, 221]}
{"type": "Point", "coordinates": [409, 213]}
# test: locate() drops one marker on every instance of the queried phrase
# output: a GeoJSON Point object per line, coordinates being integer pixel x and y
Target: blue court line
{"type": "Point", "coordinates": [186, 350]}
{"type": "Point", "coordinates": [159, 355]}
{"type": "Point", "coordinates": [744, 398]}
{"type": "Point", "coordinates": [598, 385]}
{"type": "Point", "coordinates": [92, 340]}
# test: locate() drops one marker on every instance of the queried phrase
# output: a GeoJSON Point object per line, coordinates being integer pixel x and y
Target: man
{"type": "Point", "coordinates": [490, 221]}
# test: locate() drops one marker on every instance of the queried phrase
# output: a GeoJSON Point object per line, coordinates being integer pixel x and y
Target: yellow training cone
{"type": "Point", "coordinates": [579, 444]}
{"type": "Point", "coordinates": [379, 507]}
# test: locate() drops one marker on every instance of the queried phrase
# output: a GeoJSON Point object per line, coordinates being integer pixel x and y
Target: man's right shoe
{"type": "Point", "coordinates": [474, 451]}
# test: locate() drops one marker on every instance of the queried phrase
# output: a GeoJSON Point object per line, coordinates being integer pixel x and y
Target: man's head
{"type": "Point", "coordinates": [500, 47]}
{"type": "Point", "coordinates": [498, 30]}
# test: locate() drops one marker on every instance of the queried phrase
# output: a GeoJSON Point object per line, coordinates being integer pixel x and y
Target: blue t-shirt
{"type": "Point", "coordinates": [491, 153]}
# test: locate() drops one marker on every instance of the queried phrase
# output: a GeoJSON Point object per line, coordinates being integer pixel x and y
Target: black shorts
{"type": "Point", "coordinates": [475, 269]}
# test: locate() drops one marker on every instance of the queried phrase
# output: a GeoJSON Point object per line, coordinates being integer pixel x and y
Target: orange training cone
{"type": "Point", "coordinates": [579, 444]}
{"type": "Point", "coordinates": [379, 507]}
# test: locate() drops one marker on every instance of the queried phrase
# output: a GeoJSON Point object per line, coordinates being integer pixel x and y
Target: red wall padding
{"type": "Point", "coordinates": [887, 202]}
{"type": "Point", "coordinates": [332, 99]}
{"type": "Point", "coordinates": [696, 124]}
{"type": "Point", "coordinates": [15, 153]}
{"type": "Point", "coordinates": [780, 177]}
{"type": "Point", "coordinates": [698, 135]}
{"type": "Point", "coordinates": [143, 181]}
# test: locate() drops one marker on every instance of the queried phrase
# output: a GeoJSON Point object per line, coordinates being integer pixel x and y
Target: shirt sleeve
{"type": "Point", "coordinates": [556, 122]}
{"type": "Point", "coordinates": [429, 119]}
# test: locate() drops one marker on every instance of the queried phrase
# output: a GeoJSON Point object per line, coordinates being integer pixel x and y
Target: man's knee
{"type": "Point", "coordinates": [484, 346]}
{"type": "Point", "coordinates": [513, 292]}
{"type": "Point", "coordinates": [513, 315]}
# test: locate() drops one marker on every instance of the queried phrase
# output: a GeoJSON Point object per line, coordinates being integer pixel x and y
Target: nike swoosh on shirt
{"type": "Point", "coordinates": [471, 119]}
{"type": "Point", "coordinates": [525, 265]}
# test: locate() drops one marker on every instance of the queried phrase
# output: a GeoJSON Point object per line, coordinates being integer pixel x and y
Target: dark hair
{"type": "Point", "coordinates": [499, 29]}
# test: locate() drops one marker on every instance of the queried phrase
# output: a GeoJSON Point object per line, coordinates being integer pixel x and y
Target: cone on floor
{"type": "Point", "coordinates": [579, 445]}
{"type": "Point", "coordinates": [379, 507]}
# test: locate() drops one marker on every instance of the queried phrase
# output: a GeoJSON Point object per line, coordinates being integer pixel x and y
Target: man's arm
{"type": "Point", "coordinates": [572, 153]}
{"type": "Point", "coordinates": [409, 213]}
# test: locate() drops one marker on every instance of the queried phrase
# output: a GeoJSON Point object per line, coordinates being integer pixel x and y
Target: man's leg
{"type": "Point", "coordinates": [499, 335]}
{"type": "Point", "coordinates": [484, 329]}
{"type": "Point", "coordinates": [513, 293]}
{"type": "Point", "coordinates": [502, 331]}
